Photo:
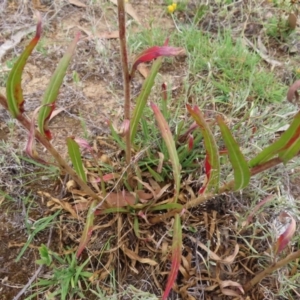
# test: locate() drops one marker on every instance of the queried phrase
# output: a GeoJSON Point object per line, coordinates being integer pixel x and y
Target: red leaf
{"type": "Point", "coordinates": [164, 91]}
{"type": "Point", "coordinates": [47, 131]}
{"type": "Point", "coordinates": [84, 144]}
{"type": "Point", "coordinates": [120, 199]}
{"type": "Point", "coordinates": [176, 256]}
{"type": "Point", "coordinates": [207, 167]}
{"type": "Point", "coordinates": [190, 142]}
{"type": "Point", "coordinates": [286, 237]}
{"type": "Point", "coordinates": [155, 52]}
{"type": "Point", "coordinates": [110, 176]}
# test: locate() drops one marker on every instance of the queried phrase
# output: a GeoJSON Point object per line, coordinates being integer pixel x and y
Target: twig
{"type": "Point", "coordinates": [126, 79]}
{"type": "Point", "coordinates": [271, 269]}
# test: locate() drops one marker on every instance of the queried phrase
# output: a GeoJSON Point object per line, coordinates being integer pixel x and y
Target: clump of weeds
{"type": "Point", "coordinates": [140, 207]}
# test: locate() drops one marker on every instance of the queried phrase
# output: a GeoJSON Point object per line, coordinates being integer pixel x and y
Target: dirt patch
{"type": "Point", "coordinates": [13, 235]}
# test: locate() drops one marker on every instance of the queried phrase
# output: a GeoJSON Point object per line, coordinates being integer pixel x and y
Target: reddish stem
{"type": "Point", "coordinates": [126, 79]}
{"type": "Point", "coordinates": [258, 277]}
{"type": "Point", "coordinates": [62, 163]}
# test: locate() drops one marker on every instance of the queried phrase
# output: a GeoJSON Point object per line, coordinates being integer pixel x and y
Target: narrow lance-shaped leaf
{"type": "Point", "coordinates": [141, 100]}
{"type": "Point", "coordinates": [149, 81]}
{"type": "Point", "coordinates": [212, 162]}
{"type": "Point", "coordinates": [208, 174]}
{"type": "Point", "coordinates": [240, 166]}
{"type": "Point", "coordinates": [74, 152]}
{"type": "Point", "coordinates": [166, 206]}
{"type": "Point", "coordinates": [176, 256]}
{"type": "Point", "coordinates": [52, 90]}
{"type": "Point", "coordinates": [287, 139]}
{"type": "Point", "coordinates": [291, 149]}
{"type": "Point", "coordinates": [286, 236]}
{"type": "Point", "coordinates": [155, 52]}
{"type": "Point", "coordinates": [14, 93]}
{"type": "Point", "coordinates": [168, 138]}
{"type": "Point", "coordinates": [136, 227]}
{"type": "Point", "coordinates": [190, 145]}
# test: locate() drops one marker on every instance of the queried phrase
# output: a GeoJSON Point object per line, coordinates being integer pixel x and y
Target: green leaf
{"type": "Point", "coordinates": [157, 177]}
{"type": "Point", "coordinates": [46, 258]}
{"type": "Point", "coordinates": [141, 100]}
{"type": "Point", "coordinates": [286, 140]}
{"type": "Point", "coordinates": [291, 151]}
{"type": "Point", "coordinates": [39, 225]}
{"type": "Point", "coordinates": [14, 93]}
{"type": "Point", "coordinates": [51, 93]}
{"type": "Point", "coordinates": [166, 206]}
{"type": "Point", "coordinates": [168, 138]}
{"type": "Point", "coordinates": [116, 137]}
{"type": "Point", "coordinates": [212, 153]}
{"type": "Point", "coordinates": [240, 166]}
{"type": "Point", "coordinates": [74, 153]}
{"type": "Point", "coordinates": [80, 273]}
{"type": "Point", "coordinates": [136, 227]}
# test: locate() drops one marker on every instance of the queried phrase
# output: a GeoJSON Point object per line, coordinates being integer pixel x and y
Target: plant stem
{"type": "Point", "coordinates": [225, 188]}
{"type": "Point", "coordinates": [257, 278]}
{"type": "Point", "coordinates": [62, 163]}
{"type": "Point", "coordinates": [126, 79]}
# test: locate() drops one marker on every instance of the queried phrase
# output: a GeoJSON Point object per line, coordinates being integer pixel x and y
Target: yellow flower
{"type": "Point", "coordinates": [172, 8]}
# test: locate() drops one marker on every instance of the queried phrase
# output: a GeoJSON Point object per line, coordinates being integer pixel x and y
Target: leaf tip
{"type": "Point", "coordinates": [38, 25]}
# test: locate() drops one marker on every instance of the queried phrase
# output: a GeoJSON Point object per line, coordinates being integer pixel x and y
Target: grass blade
{"type": "Point", "coordinates": [142, 98]}
{"type": "Point", "coordinates": [240, 166]}
{"type": "Point", "coordinates": [52, 90]}
{"type": "Point", "coordinates": [287, 139]}
{"type": "Point", "coordinates": [75, 156]}
{"type": "Point", "coordinates": [14, 93]}
{"type": "Point", "coordinates": [166, 206]}
{"type": "Point", "coordinates": [176, 256]}
{"type": "Point", "coordinates": [147, 55]}
{"type": "Point", "coordinates": [39, 226]}
{"type": "Point", "coordinates": [212, 162]}
{"type": "Point", "coordinates": [168, 138]}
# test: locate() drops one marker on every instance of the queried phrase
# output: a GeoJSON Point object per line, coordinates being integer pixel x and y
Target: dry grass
{"type": "Point", "coordinates": [117, 258]}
